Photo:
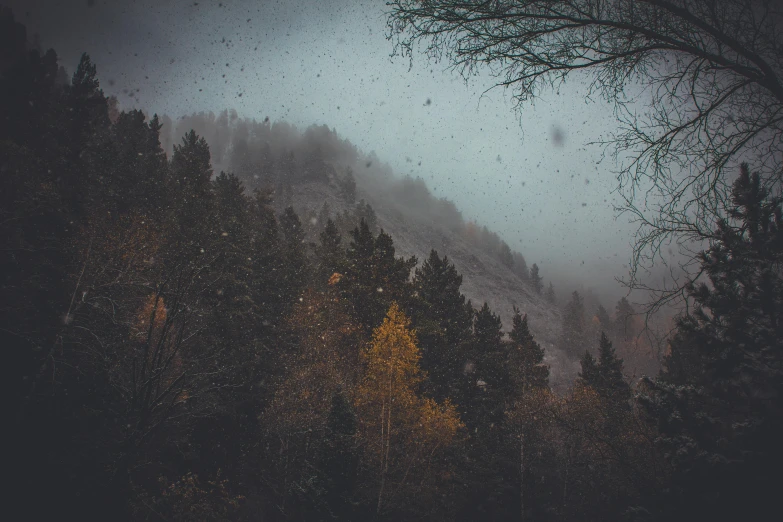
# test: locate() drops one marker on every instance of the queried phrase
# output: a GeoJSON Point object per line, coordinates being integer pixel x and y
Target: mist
{"type": "Point", "coordinates": [529, 174]}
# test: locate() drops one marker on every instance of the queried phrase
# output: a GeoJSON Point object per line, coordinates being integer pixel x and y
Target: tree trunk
{"type": "Point", "coordinates": [385, 450]}
{"type": "Point", "coordinates": [521, 475]}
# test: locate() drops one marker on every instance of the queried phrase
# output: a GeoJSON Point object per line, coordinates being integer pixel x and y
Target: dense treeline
{"type": "Point", "coordinates": [278, 155]}
{"type": "Point", "coordinates": [175, 350]}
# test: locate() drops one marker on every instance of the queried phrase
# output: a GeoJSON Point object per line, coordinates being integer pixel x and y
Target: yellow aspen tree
{"type": "Point", "coordinates": [400, 429]}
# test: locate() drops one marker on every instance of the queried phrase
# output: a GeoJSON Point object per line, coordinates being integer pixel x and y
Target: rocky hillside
{"type": "Point", "coordinates": [308, 168]}
{"type": "Point", "coordinates": [484, 277]}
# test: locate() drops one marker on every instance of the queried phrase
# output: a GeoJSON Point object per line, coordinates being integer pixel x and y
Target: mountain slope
{"type": "Point", "coordinates": [484, 277]}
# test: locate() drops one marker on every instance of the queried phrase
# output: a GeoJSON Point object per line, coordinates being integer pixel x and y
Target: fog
{"type": "Point", "coordinates": [528, 174]}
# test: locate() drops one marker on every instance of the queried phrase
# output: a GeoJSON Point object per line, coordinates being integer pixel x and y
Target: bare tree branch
{"type": "Point", "coordinates": [697, 87]}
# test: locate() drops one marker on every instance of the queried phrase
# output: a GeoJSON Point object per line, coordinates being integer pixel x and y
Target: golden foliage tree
{"type": "Point", "coordinates": [403, 432]}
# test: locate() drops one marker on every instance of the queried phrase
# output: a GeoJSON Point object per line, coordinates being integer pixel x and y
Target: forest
{"type": "Point", "coordinates": [184, 346]}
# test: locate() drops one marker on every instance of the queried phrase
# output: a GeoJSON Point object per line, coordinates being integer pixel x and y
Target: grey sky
{"type": "Point", "coordinates": [327, 62]}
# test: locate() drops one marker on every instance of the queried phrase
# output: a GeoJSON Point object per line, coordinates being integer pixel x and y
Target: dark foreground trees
{"type": "Point", "coordinates": [717, 403]}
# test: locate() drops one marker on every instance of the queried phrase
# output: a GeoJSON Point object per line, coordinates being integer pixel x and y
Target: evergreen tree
{"type": "Point", "coordinates": [550, 294]}
{"type": "Point", "coordinates": [604, 320]}
{"type": "Point", "coordinates": [324, 215]}
{"type": "Point", "coordinates": [624, 319]}
{"type": "Point", "coordinates": [87, 124]}
{"type": "Point", "coordinates": [191, 172]}
{"type": "Point", "coordinates": [612, 384]}
{"type": "Point", "coordinates": [338, 458]}
{"type": "Point", "coordinates": [535, 279]}
{"type": "Point", "coordinates": [526, 358]}
{"type": "Point", "coordinates": [605, 375]}
{"type": "Point", "coordinates": [505, 256]}
{"type": "Point", "coordinates": [348, 186]}
{"type": "Point", "coordinates": [589, 375]}
{"type": "Point", "coordinates": [717, 402]}
{"type": "Point", "coordinates": [520, 266]}
{"type": "Point", "coordinates": [363, 211]}
{"type": "Point", "coordinates": [295, 260]}
{"type": "Point", "coordinates": [490, 379]}
{"type": "Point", "coordinates": [374, 276]}
{"type": "Point", "coordinates": [131, 169]}
{"type": "Point", "coordinates": [443, 324]}
{"type": "Point", "coordinates": [331, 254]}
{"type": "Point", "coordinates": [573, 329]}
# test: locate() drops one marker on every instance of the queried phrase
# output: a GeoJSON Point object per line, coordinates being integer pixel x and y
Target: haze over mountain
{"type": "Point", "coordinates": [531, 178]}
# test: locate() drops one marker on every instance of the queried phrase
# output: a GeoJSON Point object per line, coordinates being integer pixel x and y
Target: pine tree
{"type": "Point", "coordinates": [375, 277]}
{"type": "Point", "coordinates": [295, 267]}
{"type": "Point", "coordinates": [589, 374]}
{"type": "Point", "coordinates": [520, 266]}
{"type": "Point", "coordinates": [339, 458]}
{"type": "Point", "coordinates": [624, 320]}
{"type": "Point", "coordinates": [364, 212]}
{"type": "Point", "coordinates": [131, 168]}
{"type": "Point", "coordinates": [535, 279]}
{"type": "Point", "coordinates": [443, 323]}
{"type": "Point", "coordinates": [605, 375]}
{"type": "Point", "coordinates": [717, 402]}
{"type": "Point", "coordinates": [490, 380]}
{"type": "Point", "coordinates": [348, 186]}
{"type": "Point", "coordinates": [551, 297]}
{"type": "Point", "coordinates": [573, 329]}
{"type": "Point", "coordinates": [331, 254]}
{"type": "Point", "coordinates": [505, 256]}
{"type": "Point", "coordinates": [87, 124]}
{"type": "Point", "coordinates": [612, 384]}
{"type": "Point", "coordinates": [191, 172]}
{"type": "Point", "coordinates": [527, 357]}
{"type": "Point", "coordinates": [324, 215]}
{"type": "Point", "coordinates": [604, 320]}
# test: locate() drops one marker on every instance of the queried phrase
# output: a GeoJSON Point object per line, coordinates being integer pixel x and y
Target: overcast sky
{"type": "Point", "coordinates": [328, 62]}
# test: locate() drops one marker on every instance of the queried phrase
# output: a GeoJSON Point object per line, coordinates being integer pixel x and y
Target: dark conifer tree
{"type": "Point", "coordinates": [338, 457]}
{"type": "Point", "coordinates": [573, 329]}
{"type": "Point", "coordinates": [624, 316]}
{"type": "Point", "coordinates": [130, 169]}
{"type": "Point", "coordinates": [331, 254]}
{"type": "Point", "coordinates": [490, 380]}
{"type": "Point", "coordinates": [604, 320]}
{"type": "Point", "coordinates": [363, 211]}
{"type": "Point", "coordinates": [526, 357]}
{"type": "Point", "coordinates": [191, 176]}
{"type": "Point", "coordinates": [489, 392]}
{"type": "Point", "coordinates": [348, 186]}
{"type": "Point", "coordinates": [375, 277]}
{"type": "Point", "coordinates": [589, 374]}
{"type": "Point", "coordinates": [294, 270]}
{"type": "Point", "coordinates": [605, 375]}
{"type": "Point", "coordinates": [535, 279]}
{"type": "Point", "coordinates": [443, 324]}
{"type": "Point", "coordinates": [505, 256]}
{"type": "Point", "coordinates": [551, 297]}
{"type": "Point", "coordinates": [520, 266]}
{"type": "Point", "coordinates": [717, 402]}
{"type": "Point", "coordinates": [612, 384]}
